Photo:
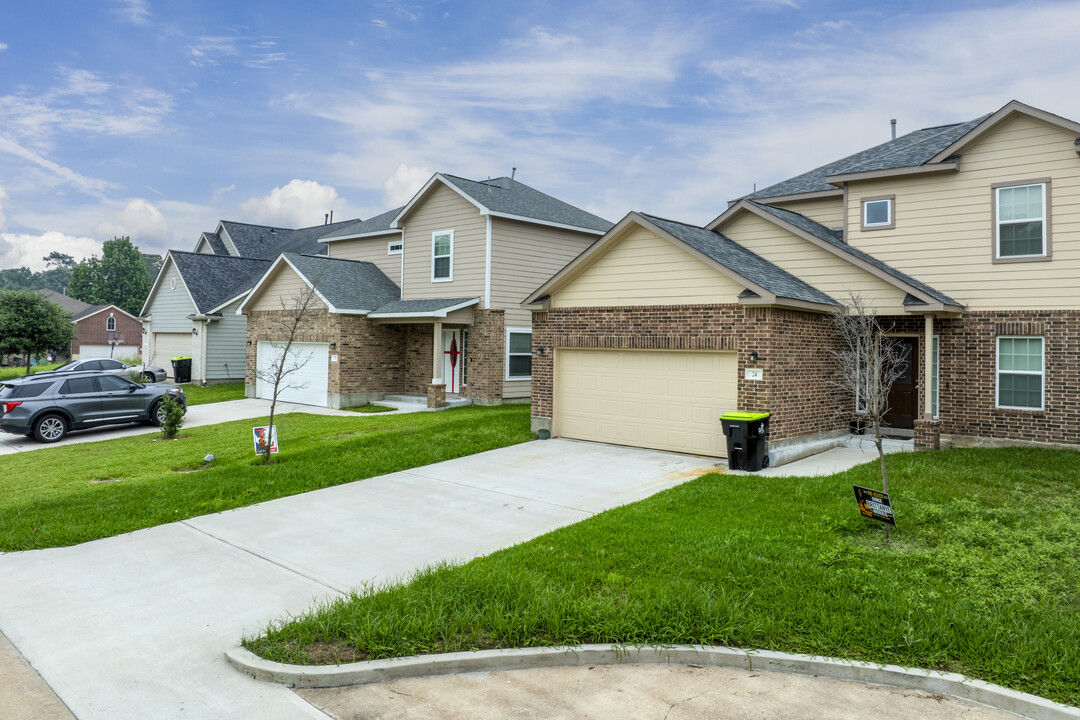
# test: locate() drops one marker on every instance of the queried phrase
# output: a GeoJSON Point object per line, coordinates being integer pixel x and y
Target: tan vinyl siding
{"type": "Point", "coordinates": [524, 257]}
{"type": "Point", "coordinates": [171, 306]}
{"type": "Point", "coordinates": [827, 272]}
{"type": "Point", "coordinates": [944, 234]}
{"type": "Point", "coordinates": [373, 250]}
{"type": "Point", "coordinates": [444, 209]}
{"type": "Point", "coordinates": [226, 345]}
{"type": "Point", "coordinates": [827, 211]}
{"type": "Point", "coordinates": [641, 268]}
{"type": "Point", "coordinates": [284, 283]}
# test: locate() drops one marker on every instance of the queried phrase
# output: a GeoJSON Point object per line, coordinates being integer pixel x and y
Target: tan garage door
{"type": "Point", "coordinates": [170, 345]}
{"type": "Point", "coordinates": [667, 400]}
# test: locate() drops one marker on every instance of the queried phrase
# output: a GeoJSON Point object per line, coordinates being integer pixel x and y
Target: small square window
{"type": "Point", "coordinates": [395, 247]}
{"type": "Point", "coordinates": [877, 213]}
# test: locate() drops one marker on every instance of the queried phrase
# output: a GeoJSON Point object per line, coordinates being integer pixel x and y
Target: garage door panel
{"type": "Point", "coordinates": [668, 400]}
{"type": "Point", "coordinates": [307, 384]}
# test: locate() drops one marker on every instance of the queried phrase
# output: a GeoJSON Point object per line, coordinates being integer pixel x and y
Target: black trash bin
{"type": "Point", "coordinates": [181, 368]}
{"type": "Point", "coordinates": [747, 448]}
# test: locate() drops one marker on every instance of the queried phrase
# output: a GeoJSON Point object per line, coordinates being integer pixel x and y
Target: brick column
{"type": "Point", "coordinates": [927, 434]}
{"type": "Point", "coordinates": [436, 395]}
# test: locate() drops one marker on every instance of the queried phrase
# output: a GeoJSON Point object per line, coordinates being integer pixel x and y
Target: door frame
{"type": "Point", "coordinates": [916, 378]}
{"type": "Point", "coordinates": [452, 375]}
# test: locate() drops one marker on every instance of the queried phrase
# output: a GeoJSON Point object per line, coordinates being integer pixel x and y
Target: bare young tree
{"type": "Point", "coordinates": [867, 364]}
{"type": "Point", "coordinates": [295, 309]}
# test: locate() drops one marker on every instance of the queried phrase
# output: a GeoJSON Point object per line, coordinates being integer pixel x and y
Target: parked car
{"type": "Point", "coordinates": [48, 405]}
{"type": "Point", "coordinates": [149, 373]}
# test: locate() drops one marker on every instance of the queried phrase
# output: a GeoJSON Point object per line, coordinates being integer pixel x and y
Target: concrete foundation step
{"type": "Point", "coordinates": [452, 400]}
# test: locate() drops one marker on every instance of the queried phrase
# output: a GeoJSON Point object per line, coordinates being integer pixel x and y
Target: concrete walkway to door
{"type": "Point", "coordinates": [136, 626]}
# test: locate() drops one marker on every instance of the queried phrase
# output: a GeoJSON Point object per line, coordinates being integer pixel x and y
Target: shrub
{"type": "Point", "coordinates": [173, 417]}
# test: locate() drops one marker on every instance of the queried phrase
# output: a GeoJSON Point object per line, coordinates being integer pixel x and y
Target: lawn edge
{"type": "Point", "coordinates": [373, 671]}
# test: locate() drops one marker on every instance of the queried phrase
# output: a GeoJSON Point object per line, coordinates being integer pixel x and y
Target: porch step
{"type": "Point", "coordinates": [412, 399]}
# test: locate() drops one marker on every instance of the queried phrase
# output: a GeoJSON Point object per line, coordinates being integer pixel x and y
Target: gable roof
{"type": "Point", "coordinates": [765, 282]}
{"type": "Point", "coordinates": [266, 243]}
{"type": "Point", "coordinates": [508, 198]}
{"type": "Point", "coordinates": [214, 280]}
{"type": "Point", "coordinates": [217, 245]}
{"type": "Point", "coordinates": [345, 286]}
{"type": "Point", "coordinates": [378, 225]}
{"type": "Point", "coordinates": [430, 307]}
{"type": "Point", "coordinates": [75, 308]}
{"type": "Point", "coordinates": [830, 240]}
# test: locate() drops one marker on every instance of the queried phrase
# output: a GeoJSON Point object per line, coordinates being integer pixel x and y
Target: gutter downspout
{"type": "Point", "coordinates": [487, 267]}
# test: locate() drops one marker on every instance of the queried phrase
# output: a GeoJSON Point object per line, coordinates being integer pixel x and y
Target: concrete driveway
{"type": "Point", "coordinates": [207, 414]}
{"type": "Point", "coordinates": [136, 626]}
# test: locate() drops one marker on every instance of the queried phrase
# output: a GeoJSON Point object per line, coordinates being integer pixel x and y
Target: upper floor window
{"type": "Point", "coordinates": [1020, 369]}
{"type": "Point", "coordinates": [110, 324]}
{"type": "Point", "coordinates": [877, 213]}
{"type": "Point", "coordinates": [1021, 222]}
{"type": "Point", "coordinates": [395, 247]}
{"type": "Point", "coordinates": [442, 256]}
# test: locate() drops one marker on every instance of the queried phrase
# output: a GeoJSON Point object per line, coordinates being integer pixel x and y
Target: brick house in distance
{"type": "Point", "coordinates": [101, 331]}
{"type": "Point", "coordinates": [962, 238]}
{"type": "Point", "coordinates": [423, 299]}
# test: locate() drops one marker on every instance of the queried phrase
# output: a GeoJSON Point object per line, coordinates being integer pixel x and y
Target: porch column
{"type": "Point", "coordinates": [928, 368]}
{"type": "Point", "coordinates": [436, 355]}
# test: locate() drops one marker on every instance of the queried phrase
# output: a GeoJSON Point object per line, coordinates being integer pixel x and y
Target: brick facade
{"type": "Point", "coordinates": [93, 330]}
{"type": "Point", "coordinates": [485, 357]}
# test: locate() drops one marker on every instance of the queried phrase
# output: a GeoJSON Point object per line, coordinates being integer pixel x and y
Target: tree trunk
{"type": "Point", "coordinates": [27, 363]}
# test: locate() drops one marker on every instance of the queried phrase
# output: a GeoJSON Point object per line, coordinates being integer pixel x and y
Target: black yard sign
{"type": "Point", "coordinates": [874, 504]}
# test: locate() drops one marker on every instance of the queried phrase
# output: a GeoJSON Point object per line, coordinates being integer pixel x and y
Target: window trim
{"type": "Point", "coordinates": [450, 277]}
{"type": "Point", "coordinates": [390, 250]}
{"type": "Point", "coordinates": [508, 354]}
{"type": "Point", "coordinates": [878, 226]}
{"type": "Point", "coordinates": [997, 373]}
{"type": "Point", "coordinates": [995, 228]}
{"type": "Point", "coordinates": [110, 321]}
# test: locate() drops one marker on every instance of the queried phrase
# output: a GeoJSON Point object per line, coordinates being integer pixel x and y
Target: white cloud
{"type": "Point", "coordinates": [255, 53]}
{"type": "Point", "coordinates": [3, 46]}
{"type": "Point", "coordinates": [140, 220]}
{"type": "Point", "coordinates": [300, 203]}
{"type": "Point", "coordinates": [400, 187]}
{"type": "Point", "coordinates": [136, 12]}
{"type": "Point", "coordinates": [26, 250]}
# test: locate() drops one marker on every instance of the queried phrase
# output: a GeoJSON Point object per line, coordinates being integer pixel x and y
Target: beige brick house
{"type": "Point", "coordinates": [423, 299]}
{"type": "Point", "coordinates": [964, 238]}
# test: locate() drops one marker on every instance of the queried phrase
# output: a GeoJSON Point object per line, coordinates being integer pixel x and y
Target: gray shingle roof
{"type": "Point", "coordinates": [507, 196]}
{"type": "Point", "coordinates": [829, 235]}
{"type": "Point", "coordinates": [215, 242]}
{"type": "Point", "coordinates": [346, 284]}
{"type": "Point", "coordinates": [379, 223]}
{"type": "Point", "coordinates": [421, 306]}
{"type": "Point", "coordinates": [743, 262]}
{"type": "Point", "coordinates": [214, 279]}
{"type": "Point", "coordinates": [266, 243]}
{"type": "Point", "coordinates": [76, 308]}
{"type": "Point", "coordinates": [915, 148]}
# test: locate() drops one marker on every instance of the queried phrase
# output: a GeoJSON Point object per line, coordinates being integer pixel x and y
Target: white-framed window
{"type": "Point", "coordinates": [1020, 373]}
{"type": "Point", "coordinates": [442, 256]}
{"type": "Point", "coordinates": [110, 324]}
{"type": "Point", "coordinates": [934, 382]}
{"type": "Point", "coordinates": [877, 213]}
{"type": "Point", "coordinates": [1021, 224]}
{"type": "Point", "coordinates": [518, 353]}
{"type": "Point", "coordinates": [395, 247]}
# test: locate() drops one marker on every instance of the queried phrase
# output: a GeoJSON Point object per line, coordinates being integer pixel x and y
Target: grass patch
{"type": "Point", "coordinates": [982, 577]}
{"type": "Point", "coordinates": [49, 497]}
{"type": "Point", "coordinates": [10, 373]}
{"type": "Point", "coordinates": [370, 408]}
{"type": "Point", "coordinates": [199, 395]}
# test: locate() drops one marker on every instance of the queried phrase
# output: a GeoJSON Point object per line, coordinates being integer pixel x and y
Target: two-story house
{"type": "Point", "coordinates": [423, 299]}
{"type": "Point", "coordinates": [964, 239]}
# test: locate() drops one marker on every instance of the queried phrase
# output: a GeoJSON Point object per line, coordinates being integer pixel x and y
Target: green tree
{"type": "Point", "coordinates": [153, 265]}
{"type": "Point", "coordinates": [30, 325]}
{"type": "Point", "coordinates": [119, 278]}
{"type": "Point", "coordinates": [19, 278]}
{"type": "Point", "coordinates": [58, 274]}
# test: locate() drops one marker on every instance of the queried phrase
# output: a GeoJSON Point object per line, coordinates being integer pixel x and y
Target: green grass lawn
{"type": "Point", "coordinates": [982, 576]}
{"type": "Point", "coordinates": [198, 395]}
{"type": "Point", "coordinates": [10, 373]}
{"type": "Point", "coordinates": [67, 495]}
{"type": "Point", "coordinates": [370, 408]}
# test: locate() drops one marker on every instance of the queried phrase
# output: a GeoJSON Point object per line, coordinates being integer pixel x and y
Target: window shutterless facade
{"type": "Point", "coordinates": [1020, 373]}
{"type": "Point", "coordinates": [518, 353]}
{"type": "Point", "coordinates": [1021, 221]}
{"type": "Point", "coordinates": [877, 213]}
{"type": "Point", "coordinates": [442, 256]}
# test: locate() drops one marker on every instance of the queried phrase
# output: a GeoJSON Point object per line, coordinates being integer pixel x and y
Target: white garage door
{"type": "Point", "coordinates": [120, 352]}
{"type": "Point", "coordinates": [307, 384]}
{"type": "Point", "coordinates": [170, 345]}
{"type": "Point", "coordinates": [666, 400]}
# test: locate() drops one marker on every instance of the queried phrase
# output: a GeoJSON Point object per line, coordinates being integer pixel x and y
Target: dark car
{"type": "Point", "coordinates": [148, 373]}
{"type": "Point", "coordinates": [47, 405]}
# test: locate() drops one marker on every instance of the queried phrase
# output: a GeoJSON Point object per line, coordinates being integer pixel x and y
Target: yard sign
{"type": "Point", "coordinates": [259, 435]}
{"type": "Point", "coordinates": [874, 504]}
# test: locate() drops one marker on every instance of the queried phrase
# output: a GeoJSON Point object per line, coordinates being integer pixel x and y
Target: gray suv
{"type": "Point", "coordinates": [47, 406]}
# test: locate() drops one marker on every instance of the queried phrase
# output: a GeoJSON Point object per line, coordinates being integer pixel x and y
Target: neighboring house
{"type": "Point", "coordinates": [962, 238]}
{"type": "Point", "coordinates": [100, 330]}
{"type": "Point", "coordinates": [191, 309]}
{"type": "Point", "coordinates": [423, 299]}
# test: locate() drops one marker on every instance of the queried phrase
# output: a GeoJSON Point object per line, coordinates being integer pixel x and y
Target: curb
{"type": "Point", "coordinates": [374, 671]}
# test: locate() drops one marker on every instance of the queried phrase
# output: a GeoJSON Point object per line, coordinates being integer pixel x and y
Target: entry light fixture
{"type": "Point", "coordinates": [333, 346]}
{"type": "Point", "coordinates": [753, 356]}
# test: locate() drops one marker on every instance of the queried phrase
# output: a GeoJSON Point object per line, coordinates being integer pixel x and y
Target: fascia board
{"type": "Point", "coordinates": [893, 172]}
{"type": "Point", "coordinates": [791, 198]}
{"type": "Point", "coordinates": [440, 313]}
{"type": "Point", "coordinates": [534, 221]}
{"type": "Point", "coordinates": [228, 302]}
{"type": "Point", "coordinates": [359, 236]}
{"type": "Point", "coordinates": [793, 303]}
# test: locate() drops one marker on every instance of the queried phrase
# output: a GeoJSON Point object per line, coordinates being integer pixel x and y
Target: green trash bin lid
{"type": "Point", "coordinates": [744, 416]}
{"type": "Point", "coordinates": [181, 358]}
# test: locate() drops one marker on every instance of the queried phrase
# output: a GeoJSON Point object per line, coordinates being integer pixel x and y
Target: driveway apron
{"type": "Point", "coordinates": [136, 626]}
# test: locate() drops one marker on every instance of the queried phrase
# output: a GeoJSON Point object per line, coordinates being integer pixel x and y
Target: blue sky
{"type": "Point", "coordinates": [156, 119]}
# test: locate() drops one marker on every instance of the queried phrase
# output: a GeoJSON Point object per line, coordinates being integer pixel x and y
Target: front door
{"type": "Point", "coordinates": [453, 360]}
{"type": "Point", "coordinates": [904, 393]}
